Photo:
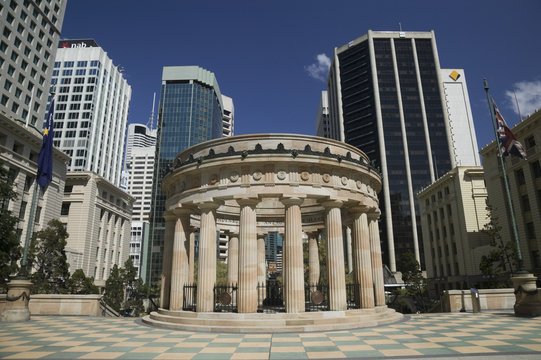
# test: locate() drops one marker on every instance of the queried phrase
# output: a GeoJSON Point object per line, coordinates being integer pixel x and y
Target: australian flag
{"type": "Point", "coordinates": [509, 144]}
{"type": "Point", "coordinates": [45, 158]}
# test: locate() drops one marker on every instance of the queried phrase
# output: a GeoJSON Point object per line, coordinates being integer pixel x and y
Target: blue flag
{"type": "Point", "coordinates": [45, 158]}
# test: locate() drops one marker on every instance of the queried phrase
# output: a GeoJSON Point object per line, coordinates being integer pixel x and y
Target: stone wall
{"type": "Point", "coordinates": [55, 304]}
{"type": "Point", "coordinates": [490, 299]}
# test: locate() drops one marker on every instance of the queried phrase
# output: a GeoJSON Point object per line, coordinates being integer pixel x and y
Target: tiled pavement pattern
{"type": "Point", "coordinates": [454, 335]}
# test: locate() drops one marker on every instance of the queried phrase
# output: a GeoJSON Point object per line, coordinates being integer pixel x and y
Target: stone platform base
{"type": "Point", "coordinates": [272, 323]}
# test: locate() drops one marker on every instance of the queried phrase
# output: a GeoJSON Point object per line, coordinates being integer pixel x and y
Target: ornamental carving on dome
{"type": "Point", "coordinates": [281, 175]}
{"type": "Point", "coordinates": [234, 176]}
{"type": "Point", "coordinates": [305, 175]}
{"type": "Point", "coordinates": [326, 177]}
{"type": "Point", "coordinates": [344, 180]}
{"type": "Point", "coordinates": [257, 175]}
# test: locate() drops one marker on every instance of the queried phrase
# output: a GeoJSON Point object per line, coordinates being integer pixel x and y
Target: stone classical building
{"type": "Point", "coordinates": [97, 215]}
{"type": "Point", "coordinates": [525, 186]}
{"type": "Point", "coordinates": [252, 185]}
{"type": "Point", "coordinates": [19, 150]}
{"type": "Point", "coordinates": [453, 213]}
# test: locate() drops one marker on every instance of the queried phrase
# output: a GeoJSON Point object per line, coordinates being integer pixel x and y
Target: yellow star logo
{"type": "Point", "coordinates": [46, 132]}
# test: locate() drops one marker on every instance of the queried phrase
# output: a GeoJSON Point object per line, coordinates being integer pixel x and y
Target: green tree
{"type": "Point", "coordinates": [221, 272]}
{"type": "Point", "coordinates": [46, 256]}
{"type": "Point", "coordinates": [114, 289]}
{"type": "Point", "coordinates": [503, 257]}
{"type": "Point", "coordinates": [413, 278]}
{"type": "Point", "coordinates": [10, 249]}
{"type": "Point", "coordinates": [78, 283]}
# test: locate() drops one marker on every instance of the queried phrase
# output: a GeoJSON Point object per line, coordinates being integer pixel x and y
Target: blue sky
{"type": "Point", "coordinates": [261, 51]}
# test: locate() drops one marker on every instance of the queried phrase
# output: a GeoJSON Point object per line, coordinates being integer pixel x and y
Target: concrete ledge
{"type": "Point", "coordinates": [272, 323]}
{"type": "Point", "coordinates": [56, 304]}
{"type": "Point", "coordinates": [490, 299]}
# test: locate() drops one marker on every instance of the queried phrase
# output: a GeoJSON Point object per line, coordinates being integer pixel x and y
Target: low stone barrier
{"type": "Point", "coordinates": [490, 299]}
{"type": "Point", "coordinates": [56, 304]}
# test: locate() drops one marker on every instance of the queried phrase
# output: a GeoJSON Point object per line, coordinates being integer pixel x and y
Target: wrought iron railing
{"type": "Point", "coordinates": [352, 296]}
{"type": "Point", "coordinates": [190, 297]}
{"type": "Point", "coordinates": [225, 298]}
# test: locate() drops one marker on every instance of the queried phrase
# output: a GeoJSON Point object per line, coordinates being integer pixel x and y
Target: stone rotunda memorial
{"type": "Point", "coordinates": [305, 188]}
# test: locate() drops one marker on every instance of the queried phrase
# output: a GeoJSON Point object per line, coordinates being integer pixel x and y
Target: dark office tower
{"type": "Point", "coordinates": [386, 98]}
{"type": "Point", "coordinates": [190, 112]}
{"type": "Point", "coordinates": [273, 242]}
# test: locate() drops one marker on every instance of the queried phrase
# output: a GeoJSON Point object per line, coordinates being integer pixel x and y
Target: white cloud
{"type": "Point", "coordinates": [528, 97]}
{"type": "Point", "coordinates": [320, 69]}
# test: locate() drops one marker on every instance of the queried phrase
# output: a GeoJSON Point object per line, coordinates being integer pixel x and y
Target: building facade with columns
{"type": "Point", "coordinates": [453, 217]}
{"type": "Point", "coordinates": [97, 216]}
{"type": "Point", "coordinates": [252, 185]}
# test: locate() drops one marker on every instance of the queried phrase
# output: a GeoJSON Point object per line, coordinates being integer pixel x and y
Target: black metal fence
{"type": "Point", "coordinates": [316, 298]}
{"type": "Point", "coordinates": [270, 297]}
{"type": "Point", "coordinates": [190, 298]}
{"type": "Point", "coordinates": [225, 298]}
{"type": "Point", "coordinates": [352, 296]}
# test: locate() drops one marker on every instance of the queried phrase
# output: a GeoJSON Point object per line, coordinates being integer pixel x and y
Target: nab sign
{"type": "Point", "coordinates": [63, 44]}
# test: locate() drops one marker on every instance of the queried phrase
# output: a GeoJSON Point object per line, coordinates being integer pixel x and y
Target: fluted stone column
{"type": "Point", "coordinates": [313, 259]}
{"type": "Point", "coordinates": [206, 273]}
{"type": "Point", "coordinates": [362, 263]}
{"type": "Point", "coordinates": [261, 268]}
{"type": "Point", "coordinates": [335, 256]}
{"type": "Point", "coordinates": [349, 249]}
{"type": "Point", "coordinates": [191, 258]}
{"type": "Point", "coordinates": [179, 272]}
{"type": "Point", "coordinates": [292, 266]}
{"type": "Point", "coordinates": [247, 284]}
{"type": "Point", "coordinates": [170, 220]}
{"type": "Point", "coordinates": [233, 260]}
{"type": "Point", "coordinates": [375, 254]}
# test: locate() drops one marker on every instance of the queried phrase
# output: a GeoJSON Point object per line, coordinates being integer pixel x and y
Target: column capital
{"type": "Point", "coordinates": [374, 214]}
{"type": "Point", "coordinates": [331, 203]}
{"type": "Point", "coordinates": [359, 208]}
{"type": "Point", "coordinates": [212, 205]}
{"type": "Point", "coordinates": [292, 200]}
{"type": "Point", "coordinates": [313, 233]}
{"type": "Point", "coordinates": [179, 211]}
{"type": "Point", "coordinates": [248, 201]}
{"type": "Point", "coordinates": [169, 215]}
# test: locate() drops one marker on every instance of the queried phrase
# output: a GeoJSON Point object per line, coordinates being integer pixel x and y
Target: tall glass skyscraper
{"type": "Point", "coordinates": [386, 98]}
{"type": "Point", "coordinates": [190, 112]}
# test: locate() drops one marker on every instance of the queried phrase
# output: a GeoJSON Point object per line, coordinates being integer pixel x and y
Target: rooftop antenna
{"type": "Point", "coordinates": [400, 27]}
{"type": "Point", "coordinates": [151, 118]}
{"type": "Point", "coordinates": [518, 107]}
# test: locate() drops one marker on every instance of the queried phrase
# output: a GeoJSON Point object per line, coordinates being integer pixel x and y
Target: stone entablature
{"type": "Point", "coordinates": [253, 184]}
{"type": "Point", "coordinates": [269, 166]}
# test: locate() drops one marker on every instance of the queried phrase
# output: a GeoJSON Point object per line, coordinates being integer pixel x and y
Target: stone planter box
{"type": "Point", "coordinates": [490, 299]}
{"type": "Point", "coordinates": [56, 304]}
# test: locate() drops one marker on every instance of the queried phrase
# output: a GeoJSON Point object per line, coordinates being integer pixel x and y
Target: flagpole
{"type": "Point", "coordinates": [506, 184]}
{"type": "Point", "coordinates": [23, 272]}
{"type": "Point", "coordinates": [29, 228]}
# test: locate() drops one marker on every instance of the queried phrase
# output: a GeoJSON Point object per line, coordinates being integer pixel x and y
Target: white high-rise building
{"type": "Point", "coordinates": [460, 117]}
{"type": "Point", "coordinates": [322, 117]}
{"type": "Point", "coordinates": [228, 117]}
{"type": "Point", "coordinates": [91, 108]}
{"type": "Point", "coordinates": [29, 32]}
{"type": "Point", "coordinates": [139, 162]}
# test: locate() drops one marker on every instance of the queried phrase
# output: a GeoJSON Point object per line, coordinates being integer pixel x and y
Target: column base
{"type": "Point", "coordinates": [17, 300]}
{"type": "Point", "coordinates": [528, 302]}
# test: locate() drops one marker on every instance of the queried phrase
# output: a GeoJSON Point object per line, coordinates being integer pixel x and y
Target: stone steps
{"type": "Point", "coordinates": [272, 323]}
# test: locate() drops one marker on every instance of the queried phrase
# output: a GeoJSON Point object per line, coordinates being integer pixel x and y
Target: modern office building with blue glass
{"type": "Point", "coordinates": [386, 97]}
{"type": "Point", "coordinates": [190, 112]}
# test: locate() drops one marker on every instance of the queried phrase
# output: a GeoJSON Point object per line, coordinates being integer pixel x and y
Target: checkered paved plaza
{"type": "Point", "coordinates": [434, 335]}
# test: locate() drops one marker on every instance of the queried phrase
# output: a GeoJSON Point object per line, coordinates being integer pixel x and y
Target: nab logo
{"type": "Point", "coordinates": [74, 45]}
